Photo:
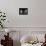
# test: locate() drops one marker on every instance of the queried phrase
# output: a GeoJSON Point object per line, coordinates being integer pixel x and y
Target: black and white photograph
{"type": "Point", "coordinates": [23, 11]}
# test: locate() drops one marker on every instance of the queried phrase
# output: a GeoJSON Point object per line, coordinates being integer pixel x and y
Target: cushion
{"type": "Point", "coordinates": [26, 39]}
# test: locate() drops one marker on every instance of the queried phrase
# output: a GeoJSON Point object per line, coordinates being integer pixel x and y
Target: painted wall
{"type": "Point", "coordinates": [35, 18]}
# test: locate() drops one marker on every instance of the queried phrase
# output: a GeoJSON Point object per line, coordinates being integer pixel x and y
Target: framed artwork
{"type": "Point", "coordinates": [23, 11]}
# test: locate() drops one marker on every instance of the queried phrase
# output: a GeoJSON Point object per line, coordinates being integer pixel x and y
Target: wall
{"type": "Point", "coordinates": [35, 18]}
{"type": "Point", "coordinates": [38, 13]}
